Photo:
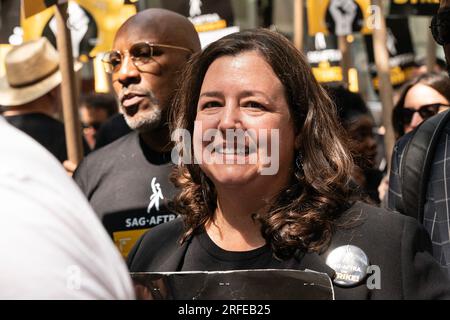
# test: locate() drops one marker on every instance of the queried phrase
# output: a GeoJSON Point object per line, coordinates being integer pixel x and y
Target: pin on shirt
{"type": "Point", "coordinates": [350, 264]}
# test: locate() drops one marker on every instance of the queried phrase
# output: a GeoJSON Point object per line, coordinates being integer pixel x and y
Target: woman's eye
{"type": "Point", "coordinates": [211, 104]}
{"type": "Point", "coordinates": [255, 105]}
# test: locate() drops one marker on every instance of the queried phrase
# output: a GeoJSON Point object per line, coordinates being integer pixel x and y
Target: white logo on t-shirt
{"type": "Point", "coordinates": [156, 195]}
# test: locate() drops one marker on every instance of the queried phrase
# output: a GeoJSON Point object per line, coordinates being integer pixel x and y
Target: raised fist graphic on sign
{"type": "Point", "coordinates": [344, 17]}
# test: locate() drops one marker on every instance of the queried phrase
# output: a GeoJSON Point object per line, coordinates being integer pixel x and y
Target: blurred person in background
{"type": "Point", "coordinates": [355, 117]}
{"type": "Point", "coordinates": [421, 66]}
{"type": "Point", "coordinates": [30, 94]}
{"type": "Point", "coordinates": [420, 99]}
{"type": "Point", "coordinates": [95, 109]}
{"type": "Point", "coordinates": [111, 130]}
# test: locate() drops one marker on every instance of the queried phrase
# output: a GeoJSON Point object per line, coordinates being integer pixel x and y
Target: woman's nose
{"type": "Point", "coordinates": [230, 118]}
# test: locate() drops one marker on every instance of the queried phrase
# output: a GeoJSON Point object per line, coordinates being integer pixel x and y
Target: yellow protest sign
{"type": "Point", "coordinates": [326, 73]}
{"type": "Point", "coordinates": [93, 24]}
{"type": "Point", "coordinates": [340, 17]}
{"type": "Point", "coordinates": [125, 240]}
{"type": "Point", "coordinates": [414, 7]}
{"type": "Point", "coordinates": [32, 7]}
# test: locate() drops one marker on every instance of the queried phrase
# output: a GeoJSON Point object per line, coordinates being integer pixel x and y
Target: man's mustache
{"type": "Point", "coordinates": [137, 91]}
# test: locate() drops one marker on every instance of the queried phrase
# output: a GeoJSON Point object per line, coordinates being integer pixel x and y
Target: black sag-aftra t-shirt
{"type": "Point", "coordinates": [128, 186]}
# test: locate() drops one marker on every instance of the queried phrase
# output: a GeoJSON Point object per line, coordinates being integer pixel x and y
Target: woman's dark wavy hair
{"type": "Point", "coordinates": [301, 216]}
{"type": "Point", "coordinates": [437, 81]}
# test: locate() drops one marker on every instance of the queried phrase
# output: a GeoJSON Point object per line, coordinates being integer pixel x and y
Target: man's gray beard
{"type": "Point", "coordinates": [148, 121]}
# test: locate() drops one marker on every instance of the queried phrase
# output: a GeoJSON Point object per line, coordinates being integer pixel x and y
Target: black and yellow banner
{"type": "Point", "coordinates": [414, 7]}
{"type": "Point", "coordinates": [325, 58]}
{"type": "Point", "coordinates": [340, 17]}
{"type": "Point", "coordinates": [32, 7]}
{"type": "Point", "coordinates": [401, 53]}
{"type": "Point", "coordinates": [93, 24]}
{"type": "Point", "coordinates": [206, 15]}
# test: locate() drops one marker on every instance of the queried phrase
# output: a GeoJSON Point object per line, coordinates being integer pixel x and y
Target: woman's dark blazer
{"type": "Point", "coordinates": [396, 243]}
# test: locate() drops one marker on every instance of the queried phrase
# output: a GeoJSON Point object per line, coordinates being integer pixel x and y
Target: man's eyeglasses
{"type": "Point", "coordinates": [440, 27]}
{"type": "Point", "coordinates": [141, 54]}
{"type": "Point", "coordinates": [426, 111]}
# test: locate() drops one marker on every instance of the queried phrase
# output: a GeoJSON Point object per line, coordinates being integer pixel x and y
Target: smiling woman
{"type": "Point", "coordinates": [251, 98]}
{"type": "Point", "coordinates": [248, 85]}
{"type": "Point", "coordinates": [234, 217]}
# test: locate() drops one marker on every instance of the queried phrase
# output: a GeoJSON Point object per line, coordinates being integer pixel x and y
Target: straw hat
{"type": "Point", "coordinates": [32, 70]}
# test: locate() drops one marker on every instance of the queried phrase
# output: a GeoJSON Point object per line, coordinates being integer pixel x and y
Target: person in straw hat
{"type": "Point", "coordinates": [29, 93]}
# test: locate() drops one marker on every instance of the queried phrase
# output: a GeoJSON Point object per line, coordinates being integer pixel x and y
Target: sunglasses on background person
{"type": "Point", "coordinates": [425, 111]}
{"type": "Point", "coordinates": [140, 53]}
{"type": "Point", "coordinates": [440, 27]}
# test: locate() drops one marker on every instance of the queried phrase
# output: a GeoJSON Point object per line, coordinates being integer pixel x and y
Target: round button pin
{"type": "Point", "coordinates": [350, 264]}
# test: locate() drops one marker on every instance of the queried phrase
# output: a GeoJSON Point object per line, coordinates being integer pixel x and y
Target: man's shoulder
{"type": "Point", "coordinates": [104, 159]}
{"type": "Point", "coordinates": [124, 143]}
{"type": "Point", "coordinates": [442, 142]}
{"type": "Point", "coordinates": [446, 129]}
{"type": "Point", "coordinates": [402, 142]}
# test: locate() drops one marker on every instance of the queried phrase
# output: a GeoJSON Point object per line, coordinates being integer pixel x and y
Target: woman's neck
{"type": "Point", "coordinates": [233, 226]}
